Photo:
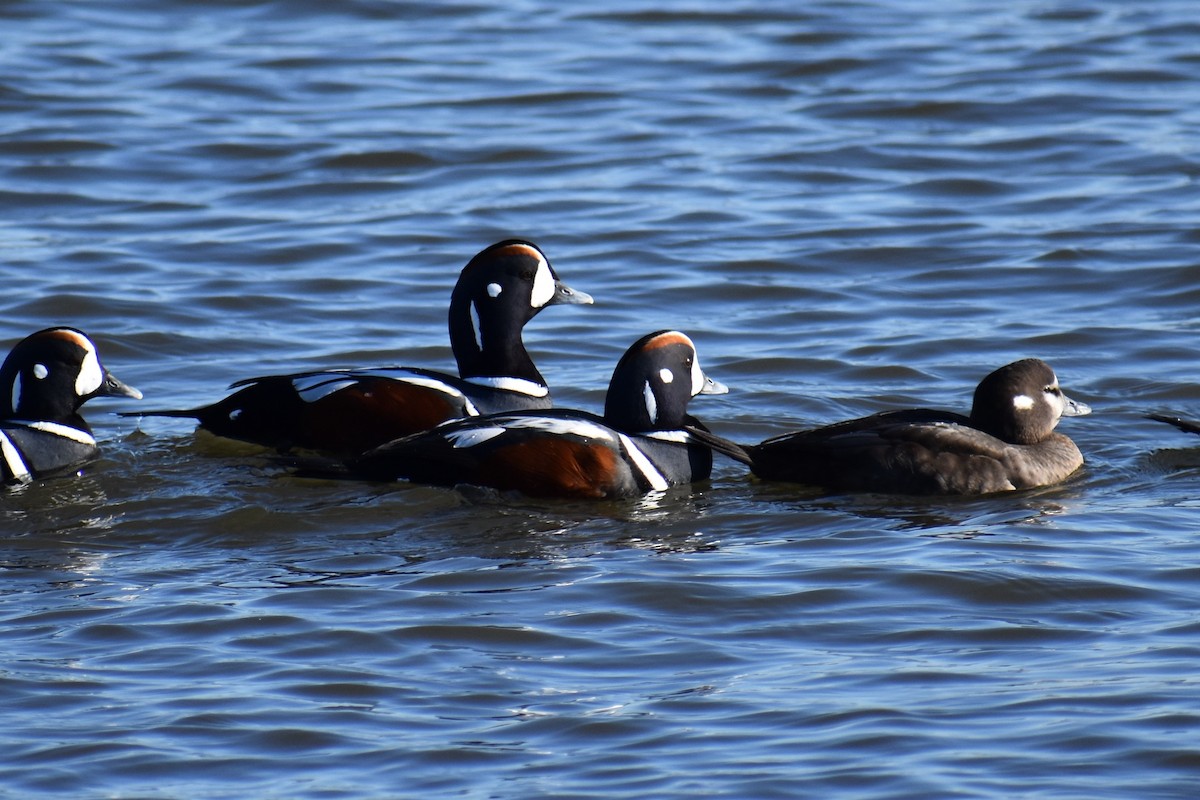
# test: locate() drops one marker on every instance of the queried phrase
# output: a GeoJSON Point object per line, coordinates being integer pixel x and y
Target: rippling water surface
{"type": "Point", "coordinates": [850, 206]}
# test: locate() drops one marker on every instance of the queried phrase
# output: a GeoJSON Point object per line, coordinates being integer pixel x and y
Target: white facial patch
{"type": "Point", "coordinates": [494, 289]}
{"type": "Point", "coordinates": [40, 371]}
{"type": "Point", "coordinates": [543, 285]}
{"type": "Point", "coordinates": [91, 375]}
{"type": "Point", "coordinates": [697, 377]}
{"type": "Point", "coordinates": [1023, 402]}
{"type": "Point", "coordinates": [651, 403]}
{"type": "Point", "coordinates": [665, 375]}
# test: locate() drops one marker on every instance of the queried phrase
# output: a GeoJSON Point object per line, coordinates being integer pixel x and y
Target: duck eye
{"type": "Point", "coordinates": [1052, 390]}
{"type": "Point", "coordinates": [527, 275]}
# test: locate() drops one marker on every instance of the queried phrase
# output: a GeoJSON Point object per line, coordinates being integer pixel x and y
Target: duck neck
{"type": "Point", "coordinates": [489, 345]}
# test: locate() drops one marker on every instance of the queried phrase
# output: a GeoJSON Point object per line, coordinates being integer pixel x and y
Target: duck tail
{"type": "Point", "coordinates": [186, 413]}
{"type": "Point", "coordinates": [1183, 424]}
{"type": "Point", "coordinates": [306, 466]}
{"type": "Point", "coordinates": [720, 445]}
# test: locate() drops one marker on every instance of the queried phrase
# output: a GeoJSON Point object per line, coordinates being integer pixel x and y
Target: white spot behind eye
{"type": "Point", "coordinates": [651, 403]}
{"type": "Point", "coordinates": [91, 376]}
{"type": "Point", "coordinates": [40, 371]}
{"type": "Point", "coordinates": [475, 326]}
{"type": "Point", "coordinates": [1022, 402]}
{"type": "Point", "coordinates": [665, 375]}
{"type": "Point", "coordinates": [494, 289]}
{"type": "Point", "coordinates": [543, 285]}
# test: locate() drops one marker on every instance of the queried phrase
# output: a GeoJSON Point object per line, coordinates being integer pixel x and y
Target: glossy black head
{"type": "Point", "coordinates": [51, 373]}
{"type": "Point", "coordinates": [499, 290]}
{"type": "Point", "coordinates": [1022, 402]}
{"type": "Point", "coordinates": [653, 382]}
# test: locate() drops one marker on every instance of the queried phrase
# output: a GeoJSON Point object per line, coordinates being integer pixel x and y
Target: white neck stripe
{"type": "Point", "coordinates": [13, 460]}
{"type": "Point", "coordinates": [58, 429]}
{"type": "Point", "coordinates": [644, 465]}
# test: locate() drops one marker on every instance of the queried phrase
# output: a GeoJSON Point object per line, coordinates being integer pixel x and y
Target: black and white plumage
{"type": "Point", "coordinates": [1008, 442]}
{"type": "Point", "coordinates": [348, 411]}
{"type": "Point", "coordinates": [637, 446]}
{"type": "Point", "coordinates": [44, 380]}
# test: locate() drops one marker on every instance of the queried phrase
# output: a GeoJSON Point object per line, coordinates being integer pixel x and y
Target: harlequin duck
{"type": "Point", "coordinates": [1006, 443]}
{"type": "Point", "coordinates": [349, 411]}
{"type": "Point", "coordinates": [638, 446]}
{"type": "Point", "coordinates": [43, 382]}
{"type": "Point", "coordinates": [1187, 426]}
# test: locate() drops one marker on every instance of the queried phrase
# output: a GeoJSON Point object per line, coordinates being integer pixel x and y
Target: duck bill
{"type": "Point", "coordinates": [1074, 408]}
{"type": "Point", "coordinates": [566, 296]}
{"type": "Point", "coordinates": [115, 387]}
{"type": "Point", "coordinates": [713, 387]}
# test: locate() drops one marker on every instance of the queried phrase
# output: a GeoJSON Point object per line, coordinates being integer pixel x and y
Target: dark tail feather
{"type": "Point", "coordinates": [723, 446]}
{"type": "Point", "coordinates": [187, 413]}
{"type": "Point", "coordinates": [1183, 424]}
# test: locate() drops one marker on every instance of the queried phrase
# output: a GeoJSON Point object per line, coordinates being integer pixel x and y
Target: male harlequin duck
{"type": "Point", "coordinates": [1007, 443]}
{"type": "Point", "coordinates": [43, 382]}
{"type": "Point", "coordinates": [349, 411]}
{"type": "Point", "coordinates": [638, 446]}
{"type": "Point", "coordinates": [1187, 426]}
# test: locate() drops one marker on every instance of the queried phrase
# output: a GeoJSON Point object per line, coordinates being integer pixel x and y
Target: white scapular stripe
{"type": "Point", "coordinates": [574, 427]}
{"type": "Point", "coordinates": [472, 437]}
{"type": "Point", "coordinates": [519, 385]}
{"type": "Point", "coordinates": [13, 460]}
{"type": "Point", "coordinates": [681, 437]}
{"type": "Point", "coordinates": [313, 387]}
{"type": "Point", "coordinates": [648, 470]}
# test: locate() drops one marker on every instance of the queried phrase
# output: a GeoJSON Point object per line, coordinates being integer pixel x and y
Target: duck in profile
{"type": "Point", "coordinates": [43, 382]}
{"type": "Point", "coordinates": [639, 445]}
{"type": "Point", "coordinates": [1008, 442]}
{"type": "Point", "coordinates": [348, 411]}
{"type": "Point", "coordinates": [1187, 426]}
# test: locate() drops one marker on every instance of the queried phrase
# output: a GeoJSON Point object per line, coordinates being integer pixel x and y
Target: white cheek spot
{"type": "Point", "coordinates": [494, 289]}
{"type": "Point", "coordinates": [91, 376]}
{"type": "Point", "coordinates": [665, 375]}
{"type": "Point", "coordinates": [1022, 402]}
{"type": "Point", "coordinates": [40, 371]}
{"type": "Point", "coordinates": [543, 285]}
{"type": "Point", "coordinates": [651, 403]}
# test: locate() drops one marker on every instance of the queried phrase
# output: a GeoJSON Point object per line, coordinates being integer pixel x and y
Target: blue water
{"type": "Point", "coordinates": [850, 206]}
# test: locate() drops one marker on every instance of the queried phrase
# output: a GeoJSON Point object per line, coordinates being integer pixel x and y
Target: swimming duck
{"type": "Point", "coordinates": [44, 380]}
{"type": "Point", "coordinates": [351, 410]}
{"type": "Point", "coordinates": [1008, 442]}
{"type": "Point", "coordinates": [639, 444]}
